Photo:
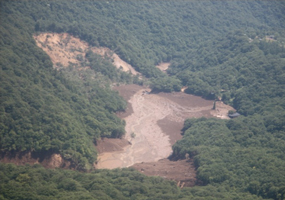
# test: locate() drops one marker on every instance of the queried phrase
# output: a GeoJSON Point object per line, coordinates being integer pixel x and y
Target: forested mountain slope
{"type": "Point", "coordinates": [43, 110]}
{"type": "Point", "coordinates": [144, 33]}
{"type": "Point", "coordinates": [25, 182]}
{"type": "Point", "coordinates": [246, 153]}
{"type": "Point", "coordinates": [247, 73]}
{"type": "Point", "coordinates": [213, 49]}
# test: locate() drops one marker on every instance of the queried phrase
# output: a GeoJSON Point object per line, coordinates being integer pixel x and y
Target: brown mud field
{"type": "Point", "coordinates": [153, 125]}
{"type": "Point", "coordinates": [181, 171]}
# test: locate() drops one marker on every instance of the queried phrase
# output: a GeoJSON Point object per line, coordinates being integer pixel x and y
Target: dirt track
{"type": "Point", "coordinates": [155, 122]}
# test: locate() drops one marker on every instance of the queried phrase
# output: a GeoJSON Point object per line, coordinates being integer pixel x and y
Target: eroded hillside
{"type": "Point", "coordinates": [64, 49]}
{"type": "Point", "coordinates": [153, 121]}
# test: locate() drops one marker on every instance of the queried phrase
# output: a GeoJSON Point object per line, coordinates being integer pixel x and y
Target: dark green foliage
{"type": "Point", "coordinates": [145, 33]}
{"type": "Point", "coordinates": [35, 182]}
{"type": "Point", "coordinates": [165, 84]}
{"type": "Point", "coordinates": [244, 74]}
{"type": "Point", "coordinates": [244, 153]}
{"type": "Point", "coordinates": [41, 108]}
{"type": "Point", "coordinates": [105, 67]}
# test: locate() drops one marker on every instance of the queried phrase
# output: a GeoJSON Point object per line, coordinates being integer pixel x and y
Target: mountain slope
{"type": "Point", "coordinates": [42, 110]}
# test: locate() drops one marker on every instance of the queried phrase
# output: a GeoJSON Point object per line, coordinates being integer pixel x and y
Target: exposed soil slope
{"type": "Point", "coordinates": [64, 49]}
{"type": "Point", "coordinates": [111, 145]}
{"type": "Point", "coordinates": [163, 66]}
{"type": "Point", "coordinates": [181, 171]}
{"type": "Point", "coordinates": [47, 159]}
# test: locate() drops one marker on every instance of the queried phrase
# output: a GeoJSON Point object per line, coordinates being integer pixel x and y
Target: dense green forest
{"type": "Point", "coordinates": [26, 182]}
{"type": "Point", "coordinates": [244, 153]}
{"type": "Point", "coordinates": [44, 110]}
{"type": "Point", "coordinates": [246, 73]}
{"type": "Point", "coordinates": [216, 49]}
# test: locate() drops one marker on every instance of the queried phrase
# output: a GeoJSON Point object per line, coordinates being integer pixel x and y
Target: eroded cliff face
{"type": "Point", "coordinates": [47, 159]}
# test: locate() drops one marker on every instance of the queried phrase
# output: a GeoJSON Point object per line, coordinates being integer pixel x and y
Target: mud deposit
{"type": "Point", "coordinates": [181, 171]}
{"type": "Point", "coordinates": [153, 124]}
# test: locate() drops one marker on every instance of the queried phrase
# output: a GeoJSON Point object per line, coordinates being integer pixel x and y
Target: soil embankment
{"type": "Point", "coordinates": [181, 171]}
{"type": "Point", "coordinates": [47, 159]}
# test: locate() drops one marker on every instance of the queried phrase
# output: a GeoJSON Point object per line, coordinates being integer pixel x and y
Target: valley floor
{"type": "Point", "coordinates": [153, 125]}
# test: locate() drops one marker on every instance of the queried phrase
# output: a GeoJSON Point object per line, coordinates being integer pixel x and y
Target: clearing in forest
{"type": "Point", "coordinates": [163, 66]}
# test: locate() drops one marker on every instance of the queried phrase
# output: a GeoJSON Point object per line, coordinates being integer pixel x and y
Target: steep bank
{"type": "Point", "coordinates": [47, 159]}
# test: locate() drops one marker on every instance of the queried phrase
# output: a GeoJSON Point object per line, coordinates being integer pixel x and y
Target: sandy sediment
{"type": "Point", "coordinates": [154, 125]}
{"type": "Point", "coordinates": [148, 142]}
